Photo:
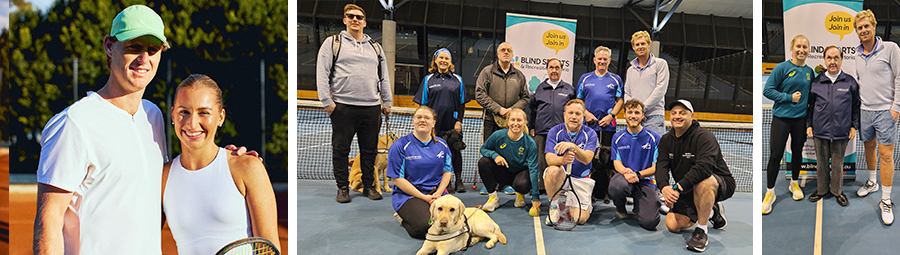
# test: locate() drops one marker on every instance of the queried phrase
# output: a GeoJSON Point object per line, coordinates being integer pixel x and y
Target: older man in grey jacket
{"type": "Point", "coordinates": [354, 95]}
{"type": "Point", "coordinates": [500, 87]}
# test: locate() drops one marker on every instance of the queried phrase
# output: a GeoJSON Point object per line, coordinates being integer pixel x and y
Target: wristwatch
{"type": "Point", "coordinates": [676, 188]}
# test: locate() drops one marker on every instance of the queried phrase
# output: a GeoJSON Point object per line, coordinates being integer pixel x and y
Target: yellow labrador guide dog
{"type": "Point", "coordinates": [455, 227]}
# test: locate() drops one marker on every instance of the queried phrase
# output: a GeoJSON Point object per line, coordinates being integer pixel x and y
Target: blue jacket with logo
{"type": "Point", "coordinates": [446, 95]}
{"type": "Point", "coordinates": [833, 107]}
{"type": "Point", "coordinates": [547, 106]}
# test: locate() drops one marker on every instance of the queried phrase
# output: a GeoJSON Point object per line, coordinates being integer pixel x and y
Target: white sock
{"type": "Point", "coordinates": [770, 191]}
{"type": "Point", "coordinates": [872, 177]}
{"type": "Point", "coordinates": [885, 192]}
{"type": "Point", "coordinates": [793, 182]}
{"type": "Point", "coordinates": [554, 203]}
{"type": "Point", "coordinates": [493, 193]}
{"type": "Point", "coordinates": [703, 227]}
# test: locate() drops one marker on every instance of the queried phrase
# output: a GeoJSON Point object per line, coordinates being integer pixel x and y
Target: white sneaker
{"type": "Point", "coordinates": [398, 217]}
{"type": "Point", "coordinates": [796, 192]}
{"type": "Point", "coordinates": [887, 214]}
{"type": "Point", "coordinates": [553, 216]}
{"type": "Point", "coordinates": [768, 202]}
{"type": "Point", "coordinates": [492, 203]}
{"type": "Point", "coordinates": [629, 200]}
{"type": "Point", "coordinates": [520, 200]}
{"type": "Point", "coordinates": [867, 189]}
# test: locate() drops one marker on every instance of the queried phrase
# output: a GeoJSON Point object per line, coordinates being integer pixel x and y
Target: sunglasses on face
{"type": "Point", "coordinates": [354, 16]}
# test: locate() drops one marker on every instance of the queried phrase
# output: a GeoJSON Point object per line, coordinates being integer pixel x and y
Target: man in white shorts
{"type": "Point", "coordinates": [100, 170]}
{"type": "Point", "coordinates": [577, 146]}
{"type": "Point", "coordinates": [878, 75]}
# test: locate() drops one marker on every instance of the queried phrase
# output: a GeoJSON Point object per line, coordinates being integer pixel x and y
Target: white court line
{"type": "Point", "coordinates": [539, 236]}
{"type": "Point", "coordinates": [817, 249]}
{"type": "Point", "coordinates": [307, 147]}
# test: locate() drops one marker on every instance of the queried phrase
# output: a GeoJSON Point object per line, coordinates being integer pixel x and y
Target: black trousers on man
{"type": "Point", "coordinates": [365, 123]}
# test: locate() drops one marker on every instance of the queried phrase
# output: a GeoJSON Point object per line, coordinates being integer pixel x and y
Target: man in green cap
{"type": "Point", "coordinates": [101, 159]}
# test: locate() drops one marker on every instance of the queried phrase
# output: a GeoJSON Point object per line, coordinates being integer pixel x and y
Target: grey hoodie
{"type": "Point", "coordinates": [879, 77]}
{"type": "Point", "coordinates": [355, 79]}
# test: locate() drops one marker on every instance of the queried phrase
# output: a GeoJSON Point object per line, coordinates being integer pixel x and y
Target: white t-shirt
{"type": "Point", "coordinates": [204, 208]}
{"type": "Point", "coordinates": [112, 162]}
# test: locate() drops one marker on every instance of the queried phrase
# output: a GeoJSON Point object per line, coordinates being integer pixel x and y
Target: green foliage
{"type": "Point", "coordinates": [216, 37]}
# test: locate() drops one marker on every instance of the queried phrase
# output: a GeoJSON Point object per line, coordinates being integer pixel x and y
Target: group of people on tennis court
{"type": "Point", "coordinates": [529, 139]}
{"type": "Point", "coordinates": [832, 108]}
{"type": "Point", "coordinates": [104, 184]}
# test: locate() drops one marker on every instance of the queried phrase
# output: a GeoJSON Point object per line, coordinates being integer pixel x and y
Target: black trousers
{"type": "Point", "coordinates": [781, 128]}
{"type": "Point", "coordinates": [488, 127]}
{"type": "Point", "coordinates": [364, 122]}
{"type": "Point", "coordinates": [493, 174]}
{"type": "Point", "coordinates": [602, 171]}
{"type": "Point", "coordinates": [455, 160]}
{"type": "Point", "coordinates": [415, 214]}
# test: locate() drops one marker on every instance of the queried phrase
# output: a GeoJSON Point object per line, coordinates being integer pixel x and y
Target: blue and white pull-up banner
{"type": "Point", "coordinates": [825, 23]}
{"type": "Point", "coordinates": [536, 39]}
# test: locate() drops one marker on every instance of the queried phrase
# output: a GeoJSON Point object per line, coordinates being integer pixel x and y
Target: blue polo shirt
{"type": "Point", "coordinates": [443, 93]}
{"type": "Point", "coordinates": [599, 94]}
{"type": "Point", "coordinates": [637, 151]}
{"type": "Point", "coordinates": [422, 164]}
{"type": "Point", "coordinates": [585, 138]}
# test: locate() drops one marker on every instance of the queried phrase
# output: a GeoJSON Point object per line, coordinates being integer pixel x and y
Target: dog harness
{"type": "Point", "coordinates": [448, 236]}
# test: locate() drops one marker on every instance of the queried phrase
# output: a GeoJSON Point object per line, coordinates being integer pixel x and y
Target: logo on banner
{"type": "Point", "coordinates": [555, 39]}
{"type": "Point", "coordinates": [839, 23]}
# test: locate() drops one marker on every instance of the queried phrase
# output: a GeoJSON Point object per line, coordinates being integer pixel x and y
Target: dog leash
{"type": "Point", "coordinates": [448, 236]}
{"type": "Point", "coordinates": [387, 123]}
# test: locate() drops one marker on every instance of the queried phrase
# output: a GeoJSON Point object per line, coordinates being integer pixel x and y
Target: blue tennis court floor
{"type": "Point", "coordinates": [856, 229]}
{"type": "Point", "coordinates": [368, 227]}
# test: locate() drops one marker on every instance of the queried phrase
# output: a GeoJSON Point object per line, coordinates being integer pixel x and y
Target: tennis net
{"type": "Point", "coordinates": [314, 143]}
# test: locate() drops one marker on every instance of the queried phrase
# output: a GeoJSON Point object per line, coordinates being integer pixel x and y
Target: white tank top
{"type": "Point", "coordinates": [204, 208]}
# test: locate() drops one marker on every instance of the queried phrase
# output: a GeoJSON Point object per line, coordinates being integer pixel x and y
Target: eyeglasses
{"type": "Point", "coordinates": [354, 16]}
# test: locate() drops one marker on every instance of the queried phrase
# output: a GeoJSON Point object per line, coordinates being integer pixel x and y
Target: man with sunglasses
{"type": "Point", "coordinates": [354, 95]}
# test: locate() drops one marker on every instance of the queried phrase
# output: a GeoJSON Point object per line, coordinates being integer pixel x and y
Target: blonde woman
{"type": "Point", "coordinates": [788, 86]}
{"type": "Point", "coordinates": [510, 157]}
{"type": "Point", "coordinates": [211, 197]}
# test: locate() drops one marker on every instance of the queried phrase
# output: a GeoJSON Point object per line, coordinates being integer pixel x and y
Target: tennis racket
{"type": "Point", "coordinates": [249, 246]}
{"type": "Point", "coordinates": [566, 220]}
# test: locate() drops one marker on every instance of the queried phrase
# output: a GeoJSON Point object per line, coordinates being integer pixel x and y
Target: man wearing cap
{"type": "Point", "coordinates": [500, 87]}
{"type": "Point", "coordinates": [354, 95]}
{"type": "Point", "coordinates": [101, 158]}
{"type": "Point", "coordinates": [702, 179]}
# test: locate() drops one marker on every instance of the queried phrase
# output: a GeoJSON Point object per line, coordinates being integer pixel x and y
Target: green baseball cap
{"type": "Point", "coordinates": [136, 21]}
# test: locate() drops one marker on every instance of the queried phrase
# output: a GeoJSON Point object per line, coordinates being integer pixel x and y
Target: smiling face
{"type": "Point", "coordinates": [133, 63]}
{"type": "Point", "coordinates": [680, 117]}
{"type": "Point", "coordinates": [196, 114]}
{"type": "Point", "coordinates": [833, 60]}
{"type": "Point", "coordinates": [574, 117]}
{"type": "Point", "coordinates": [516, 121]}
{"type": "Point", "coordinates": [505, 52]}
{"type": "Point", "coordinates": [355, 20]}
{"type": "Point", "coordinates": [641, 46]}
{"type": "Point", "coordinates": [865, 30]}
{"type": "Point", "coordinates": [800, 48]}
{"type": "Point", "coordinates": [634, 116]}
{"type": "Point", "coordinates": [443, 62]}
{"type": "Point", "coordinates": [601, 61]}
{"type": "Point", "coordinates": [423, 121]}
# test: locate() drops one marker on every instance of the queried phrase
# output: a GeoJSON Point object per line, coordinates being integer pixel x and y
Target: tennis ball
{"type": "Point", "coordinates": [533, 212]}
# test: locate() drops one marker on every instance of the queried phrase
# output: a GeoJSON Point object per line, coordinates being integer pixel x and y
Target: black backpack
{"type": "Point", "coordinates": [336, 50]}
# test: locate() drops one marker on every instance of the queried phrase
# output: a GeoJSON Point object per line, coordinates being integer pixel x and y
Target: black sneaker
{"type": "Point", "coordinates": [460, 187]}
{"type": "Point", "coordinates": [842, 199]}
{"type": "Point", "coordinates": [371, 193]}
{"type": "Point", "coordinates": [343, 195]}
{"type": "Point", "coordinates": [718, 216]}
{"type": "Point", "coordinates": [815, 196]}
{"type": "Point", "coordinates": [698, 241]}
